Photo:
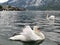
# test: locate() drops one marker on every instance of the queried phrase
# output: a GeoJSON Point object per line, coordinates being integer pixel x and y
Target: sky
{"type": "Point", "coordinates": [2, 1]}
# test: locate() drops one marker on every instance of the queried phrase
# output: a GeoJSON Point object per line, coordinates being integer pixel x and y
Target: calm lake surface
{"type": "Point", "coordinates": [13, 21]}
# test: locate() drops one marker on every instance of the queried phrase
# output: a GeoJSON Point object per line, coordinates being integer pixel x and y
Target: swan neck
{"type": "Point", "coordinates": [47, 16]}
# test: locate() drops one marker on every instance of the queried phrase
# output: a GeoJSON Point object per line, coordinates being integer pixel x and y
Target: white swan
{"type": "Point", "coordinates": [52, 18]}
{"type": "Point", "coordinates": [29, 35]}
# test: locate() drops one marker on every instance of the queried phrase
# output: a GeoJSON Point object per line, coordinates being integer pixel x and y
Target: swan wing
{"type": "Point", "coordinates": [24, 36]}
{"type": "Point", "coordinates": [18, 37]}
{"type": "Point", "coordinates": [27, 31]}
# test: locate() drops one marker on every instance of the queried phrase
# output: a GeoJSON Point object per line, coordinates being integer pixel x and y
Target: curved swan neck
{"type": "Point", "coordinates": [40, 34]}
{"type": "Point", "coordinates": [47, 16]}
{"type": "Point", "coordinates": [34, 29]}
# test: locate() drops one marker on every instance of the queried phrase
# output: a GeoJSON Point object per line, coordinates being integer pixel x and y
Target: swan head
{"type": "Point", "coordinates": [36, 28]}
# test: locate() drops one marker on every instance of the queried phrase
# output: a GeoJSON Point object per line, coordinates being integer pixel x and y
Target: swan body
{"type": "Point", "coordinates": [29, 35]}
{"type": "Point", "coordinates": [51, 18]}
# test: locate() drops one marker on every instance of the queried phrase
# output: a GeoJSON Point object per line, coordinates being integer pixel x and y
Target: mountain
{"type": "Point", "coordinates": [36, 4]}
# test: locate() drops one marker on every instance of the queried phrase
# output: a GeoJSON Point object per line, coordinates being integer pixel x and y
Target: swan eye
{"type": "Point", "coordinates": [38, 28]}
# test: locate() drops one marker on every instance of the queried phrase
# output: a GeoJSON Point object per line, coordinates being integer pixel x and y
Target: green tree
{"type": "Point", "coordinates": [1, 7]}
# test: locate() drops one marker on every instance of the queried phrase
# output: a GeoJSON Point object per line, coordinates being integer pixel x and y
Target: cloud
{"type": "Point", "coordinates": [2, 1]}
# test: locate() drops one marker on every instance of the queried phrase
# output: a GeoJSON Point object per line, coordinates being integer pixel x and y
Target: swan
{"type": "Point", "coordinates": [29, 35]}
{"type": "Point", "coordinates": [52, 17]}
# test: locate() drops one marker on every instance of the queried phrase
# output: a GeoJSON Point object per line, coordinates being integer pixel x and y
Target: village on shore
{"type": "Point", "coordinates": [11, 8]}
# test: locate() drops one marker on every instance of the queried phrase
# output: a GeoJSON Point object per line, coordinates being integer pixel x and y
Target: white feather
{"type": "Point", "coordinates": [27, 35]}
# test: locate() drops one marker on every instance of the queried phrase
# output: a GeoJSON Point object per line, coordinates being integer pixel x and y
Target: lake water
{"type": "Point", "coordinates": [13, 21]}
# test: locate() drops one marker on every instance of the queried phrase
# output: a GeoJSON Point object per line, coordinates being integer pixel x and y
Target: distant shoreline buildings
{"type": "Point", "coordinates": [11, 8]}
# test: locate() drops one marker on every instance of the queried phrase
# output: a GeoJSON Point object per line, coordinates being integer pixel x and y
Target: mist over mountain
{"type": "Point", "coordinates": [36, 4]}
